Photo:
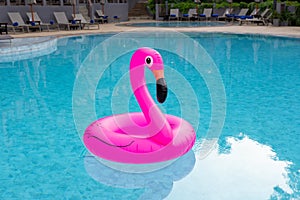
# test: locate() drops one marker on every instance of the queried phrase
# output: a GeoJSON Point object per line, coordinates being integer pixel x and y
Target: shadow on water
{"type": "Point", "coordinates": [157, 184]}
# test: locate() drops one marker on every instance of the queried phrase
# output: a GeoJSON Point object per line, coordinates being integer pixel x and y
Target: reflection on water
{"type": "Point", "coordinates": [24, 98]}
{"type": "Point", "coordinates": [245, 169]}
{"type": "Point", "coordinates": [27, 48]}
{"type": "Point", "coordinates": [241, 168]}
{"type": "Point", "coordinates": [156, 184]}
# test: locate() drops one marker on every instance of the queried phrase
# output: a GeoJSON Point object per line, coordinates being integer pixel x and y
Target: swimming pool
{"type": "Point", "coordinates": [254, 155]}
{"type": "Point", "coordinates": [176, 24]}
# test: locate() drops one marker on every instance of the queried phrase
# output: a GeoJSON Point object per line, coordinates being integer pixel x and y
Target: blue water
{"type": "Point", "coordinates": [176, 24]}
{"type": "Point", "coordinates": [254, 157]}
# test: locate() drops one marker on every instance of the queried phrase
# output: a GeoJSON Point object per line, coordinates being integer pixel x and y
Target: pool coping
{"type": "Point", "coordinates": [21, 49]}
{"type": "Point", "coordinates": [287, 31]}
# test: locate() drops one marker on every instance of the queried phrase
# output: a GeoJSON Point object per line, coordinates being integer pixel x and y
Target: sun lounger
{"type": "Point", "coordinates": [242, 14]}
{"type": "Point", "coordinates": [223, 16]}
{"type": "Point", "coordinates": [264, 18]}
{"type": "Point", "coordinates": [255, 12]}
{"type": "Point", "coordinates": [215, 14]}
{"type": "Point", "coordinates": [174, 14]}
{"type": "Point", "coordinates": [192, 14]}
{"type": "Point", "coordinates": [62, 20]}
{"type": "Point", "coordinates": [116, 18]}
{"type": "Point", "coordinates": [85, 23]}
{"type": "Point", "coordinates": [185, 17]}
{"type": "Point", "coordinates": [101, 17]}
{"type": "Point", "coordinates": [258, 19]}
{"type": "Point", "coordinates": [37, 19]}
{"type": "Point", "coordinates": [206, 14]}
{"type": "Point", "coordinates": [232, 13]}
{"type": "Point", "coordinates": [3, 28]}
{"type": "Point", "coordinates": [18, 22]}
{"type": "Point", "coordinates": [266, 13]}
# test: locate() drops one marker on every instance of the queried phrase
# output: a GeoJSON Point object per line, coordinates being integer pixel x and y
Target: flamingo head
{"type": "Point", "coordinates": [152, 59]}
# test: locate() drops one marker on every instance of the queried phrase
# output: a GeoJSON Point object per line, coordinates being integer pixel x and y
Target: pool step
{"type": "Point", "coordinates": [139, 10]}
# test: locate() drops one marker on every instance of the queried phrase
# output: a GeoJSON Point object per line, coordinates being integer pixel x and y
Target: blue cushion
{"type": "Point", "coordinates": [172, 15]}
{"type": "Point", "coordinates": [116, 17]}
{"type": "Point", "coordinates": [105, 17]}
{"type": "Point", "coordinates": [92, 21]}
{"type": "Point", "coordinates": [73, 22]}
{"type": "Point", "coordinates": [185, 15]}
{"type": "Point", "coordinates": [202, 15]}
{"type": "Point", "coordinates": [229, 15]}
{"type": "Point", "coordinates": [51, 22]}
{"type": "Point", "coordinates": [32, 23]}
{"type": "Point", "coordinates": [215, 15]}
{"type": "Point", "coordinates": [15, 24]}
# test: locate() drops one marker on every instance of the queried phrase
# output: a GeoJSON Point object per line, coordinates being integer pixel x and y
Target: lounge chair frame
{"type": "Point", "coordinates": [174, 14]}
{"type": "Point", "coordinates": [62, 20]}
{"type": "Point", "coordinates": [206, 15]}
{"type": "Point", "coordinates": [84, 23]}
{"type": "Point", "coordinates": [15, 17]}
{"type": "Point", "coordinates": [260, 19]}
{"type": "Point", "coordinates": [3, 28]}
{"type": "Point", "coordinates": [101, 18]}
{"type": "Point", "coordinates": [41, 23]}
{"type": "Point", "coordinates": [191, 15]}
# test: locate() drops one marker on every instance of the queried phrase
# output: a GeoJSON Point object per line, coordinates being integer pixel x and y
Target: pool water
{"type": "Point", "coordinates": [45, 105]}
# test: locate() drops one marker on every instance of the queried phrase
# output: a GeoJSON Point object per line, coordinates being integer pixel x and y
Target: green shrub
{"type": "Point", "coordinates": [297, 16]}
{"type": "Point", "coordinates": [284, 16]}
{"type": "Point", "coordinates": [151, 5]}
{"type": "Point", "coordinates": [275, 15]}
{"type": "Point", "coordinates": [252, 5]}
{"type": "Point", "coordinates": [243, 5]}
{"type": "Point", "coordinates": [184, 7]}
{"type": "Point", "coordinates": [292, 3]}
{"type": "Point", "coordinates": [267, 4]}
{"type": "Point", "coordinates": [292, 20]}
{"type": "Point", "coordinates": [223, 4]}
{"type": "Point", "coordinates": [297, 22]}
{"type": "Point", "coordinates": [206, 5]}
{"type": "Point", "coordinates": [298, 11]}
{"type": "Point", "coordinates": [235, 5]}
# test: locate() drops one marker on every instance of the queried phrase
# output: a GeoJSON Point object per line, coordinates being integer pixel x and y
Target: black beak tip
{"type": "Point", "coordinates": [161, 90]}
{"type": "Point", "coordinates": [161, 99]}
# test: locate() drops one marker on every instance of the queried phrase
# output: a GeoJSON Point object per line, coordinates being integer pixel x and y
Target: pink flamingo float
{"type": "Point", "coordinates": [145, 137]}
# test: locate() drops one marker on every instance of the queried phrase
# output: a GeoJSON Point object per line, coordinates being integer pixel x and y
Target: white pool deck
{"type": "Point", "coordinates": [290, 31]}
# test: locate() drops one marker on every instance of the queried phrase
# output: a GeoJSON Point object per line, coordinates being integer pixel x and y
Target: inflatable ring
{"type": "Point", "coordinates": [146, 137]}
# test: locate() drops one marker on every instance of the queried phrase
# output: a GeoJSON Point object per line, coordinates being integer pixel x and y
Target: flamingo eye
{"type": "Point", "coordinates": [149, 61]}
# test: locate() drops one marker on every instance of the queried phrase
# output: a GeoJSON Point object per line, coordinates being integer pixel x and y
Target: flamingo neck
{"type": "Point", "coordinates": [159, 128]}
{"type": "Point", "coordinates": [141, 92]}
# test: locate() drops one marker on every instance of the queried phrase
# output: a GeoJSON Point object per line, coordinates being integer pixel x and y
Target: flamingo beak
{"type": "Point", "coordinates": [161, 86]}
